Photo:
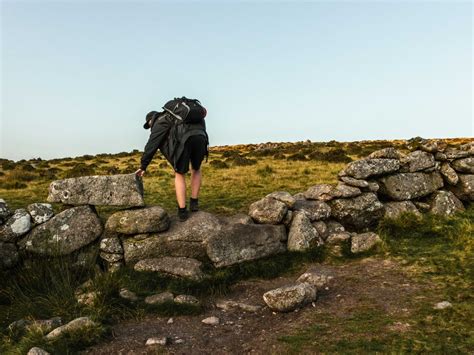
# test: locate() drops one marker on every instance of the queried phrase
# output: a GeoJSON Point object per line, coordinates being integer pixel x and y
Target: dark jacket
{"type": "Point", "coordinates": [169, 135]}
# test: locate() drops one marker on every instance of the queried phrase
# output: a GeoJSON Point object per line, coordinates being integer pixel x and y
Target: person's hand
{"type": "Point", "coordinates": [140, 173]}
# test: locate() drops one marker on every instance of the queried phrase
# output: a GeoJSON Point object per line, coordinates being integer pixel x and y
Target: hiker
{"type": "Point", "coordinates": [179, 131]}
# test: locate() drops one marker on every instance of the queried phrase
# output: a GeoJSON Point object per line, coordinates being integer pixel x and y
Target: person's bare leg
{"type": "Point", "coordinates": [180, 187]}
{"type": "Point", "coordinates": [195, 182]}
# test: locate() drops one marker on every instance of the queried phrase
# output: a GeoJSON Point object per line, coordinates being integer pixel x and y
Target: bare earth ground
{"type": "Point", "coordinates": [358, 286]}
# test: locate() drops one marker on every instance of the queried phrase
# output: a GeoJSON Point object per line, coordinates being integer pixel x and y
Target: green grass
{"type": "Point", "coordinates": [438, 253]}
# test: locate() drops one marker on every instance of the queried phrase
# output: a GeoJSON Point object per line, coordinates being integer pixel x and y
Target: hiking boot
{"type": "Point", "coordinates": [183, 214]}
{"type": "Point", "coordinates": [194, 205]}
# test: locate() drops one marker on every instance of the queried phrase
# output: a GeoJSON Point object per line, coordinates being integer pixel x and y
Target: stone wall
{"type": "Point", "coordinates": [429, 179]}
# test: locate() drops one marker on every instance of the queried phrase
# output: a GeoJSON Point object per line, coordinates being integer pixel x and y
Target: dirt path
{"type": "Point", "coordinates": [357, 286]}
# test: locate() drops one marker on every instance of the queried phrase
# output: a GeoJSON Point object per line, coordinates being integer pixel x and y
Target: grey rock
{"type": "Point", "coordinates": [449, 174]}
{"type": "Point", "coordinates": [40, 212]}
{"type": "Point", "coordinates": [417, 161]}
{"type": "Point", "coordinates": [395, 209]}
{"type": "Point", "coordinates": [441, 156]}
{"type": "Point", "coordinates": [186, 299]}
{"type": "Point", "coordinates": [4, 211]}
{"type": "Point", "coordinates": [299, 196]}
{"type": "Point", "coordinates": [364, 242]}
{"type": "Point", "coordinates": [87, 298]}
{"type": "Point", "coordinates": [338, 238]}
{"type": "Point", "coordinates": [74, 325]}
{"type": "Point", "coordinates": [373, 186]}
{"type": "Point", "coordinates": [443, 305]}
{"type": "Point", "coordinates": [172, 266]}
{"type": "Point", "coordinates": [229, 305]}
{"type": "Point", "coordinates": [128, 295]}
{"type": "Point", "coordinates": [430, 146]}
{"type": "Point", "coordinates": [37, 351]}
{"type": "Point", "coordinates": [407, 186]}
{"type": "Point", "coordinates": [268, 211]}
{"type": "Point", "coordinates": [211, 321]}
{"type": "Point", "coordinates": [157, 341]}
{"type": "Point", "coordinates": [316, 276]}
{"type": "Point", "coordinates": [465, 165]}
{"type": "Point", "coordinates": [288, 298]}
{"type": "Point", "coordinates": [111, 245]}
{"type": "Point", "coordinates": [453, 153]}
{"type": "Point", "coordinates": [17, 225]}
{"type": "Point", "coordinates": [112, 190]}
{"type": "Point", "coordinates": [186, 239]}
{"type": "Point", "coordinates": [468, 147]}
{"type": "Point", "coordinates": [8, 255]}
{"type": "Point", "coordinates": [144, 220]}
{"type": "Point", "coordinates": [321, 192]}
{"type": "Point", "coordinates": [464, 189]}
{"type": "Point", "coordinates": [354, 182]}
{"type": "Point", "coordinates": [159, 298]}
{"type": "Point", "coordinates": [422, 206]}
{"type": "Point", "coordinates": [302, 235]}
{"type": "Point", "coordinates": [386, 153]}
{"type": "Point", "coordinates": [239, 242]}
{"type": "Point", "coordinates": [345, 191]}
{"type": "Point", "coordinates": [322, 229]}
{"type": "Point", "coordinates": [284, 197]}
{"type": "Point", "coordinates": [357, 212]}
{"type": "Point", "coordinates": [315, 210]}
{"type": "Point", "coordinates": [110, 257]}
{"type": "Point", "coordinates": [445, 203]}
{"type": "Point", "coordinates": [362, 169]}
{"type": "Point", "coordinates": [65, 233]}
{"type": "Point", "coordinates": [334, 227]}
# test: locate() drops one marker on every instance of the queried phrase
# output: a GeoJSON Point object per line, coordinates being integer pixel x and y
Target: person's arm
{"type": "Point", "coordinates": [158, 134]}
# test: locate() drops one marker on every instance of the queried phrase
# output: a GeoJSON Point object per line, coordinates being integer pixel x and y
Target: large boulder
{"type": "Point", "coordinates": [8, 255]}
{"type": "Point", "coordinates": [464, 189]}
{"type": "Point", "coordinates": [362, 169]}
{"type": "Point", "coordinates": [268, 210]}
{"type": "Point", "coordinates": [77, 324]}
{"type": "Point", "coordinates": [453, 153]}
{"type": "Point", "coordinates": [288, 298]}
{"type": "Point", "coordinates": [315, 210]}
{"type": "Point", "coordinates": [445, 203]}
{"type": "Point", "coordinates": [40, 212]}
{"type": "Point", "coordinates": [237, 243]}
{"type": "Point", "coordinates": [363, 242]}
{"type": "Point", "coordinates": [173, 266]}
{"type": "Point", "coordinates": [302, 235]}
{"type": "Point", "coordinates": [320, 192]}
{"type": "Point", "coordinates": [449, 174]}
{"type": "Point", "coordinates": [4, 211]}
{"type": "Point", "coordinates": [417, 161]}
{"type": "Point", "coordinates": [16, 226]}
{"type": "Point", "coordinates": [465, 165]}
{"type": "Point", "coordinates": [65, 233]}
{"type": "Point", "coordinates": [407, 186]}
{"type": "Point", "coordinates": [394, 209]}
{"type": "Point", "coordinates": [357, 212]}
{"type": "Point", "coordinates": [109, 190]}
{"type": "Point", "coordinates": [138, 221]}
{"type": "Point", "coordinates": [181, 239]}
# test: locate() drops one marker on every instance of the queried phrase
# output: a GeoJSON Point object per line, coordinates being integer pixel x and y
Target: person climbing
{"type": "Point", "coordinates": [179, 131]}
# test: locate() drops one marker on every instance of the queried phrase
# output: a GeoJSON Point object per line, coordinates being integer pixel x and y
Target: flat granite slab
{"type": "Point", "coordinates": [105, 190]}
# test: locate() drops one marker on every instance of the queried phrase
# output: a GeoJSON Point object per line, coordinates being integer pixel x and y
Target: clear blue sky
{"type": "Point", "coordinates": [78, 77]}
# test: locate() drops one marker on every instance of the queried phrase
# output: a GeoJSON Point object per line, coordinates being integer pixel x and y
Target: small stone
{"type": "Point", "coordinates": [157, 341]}
{"type": "Point", "coordinates": [354, 182]}
{"type": "Point", "coordinates": [316, 278]}
{"type": "Point", "coordinates": [111, 245]}
{"type": "Point", "coordinates": [449, 174]}
{"type": "Point", "coordinates": [111, 258]}
{"type": "Point", "coordinates": [128, 295]}
{"type": "Point", "coordinates": [16, 226]}
{"type": "Point", "coordinates": [284, 197]}
{"type": "Point", "coordinates": [37, 351]}
{"type": "Point", "coordinates": [87, 298]}
{"type": "Point", "coordinates": [186, 299]}
{"type": "Point", "coordinates": [364, 242]}
{"type": "Point", "coordinates": [443, 305]}
{"type": "Point", "coordinates": [159, 298]}
{"type": "Point", "coordinates": [288, 298]}
{"type": "Point", "coordinates": [170, 321]}
{"type": "Point", "coordinates": [211, 321]}
{"type": "Point", "coordinates": [227, 305]}
{"type": "Point", "coordinates": [268, 211]}
{"type": "Point", "coordinates": [321, 192]}
{"type": "Point", "coordinates": [179, 341]}
{"type": "Point", "coordinates": [74, 325]}
{"type": "Point", "coordinates": [40, 212]}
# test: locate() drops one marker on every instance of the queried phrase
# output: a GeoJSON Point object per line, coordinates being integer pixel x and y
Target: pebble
{"type": "Point", "coordinates": [179, 341]}
{"type": "Point", "coordinates": [157, 341]}
{"type": "Point", "coordinates": [443, 305]}
{"type": "Point", "coordinates": [211, 321]}
{"type": "Point", "coordinates": [128, 295]}
{"type": "Point", "coordinates": [170, 321]}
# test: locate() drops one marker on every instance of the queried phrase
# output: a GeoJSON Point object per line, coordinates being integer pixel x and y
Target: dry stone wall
{"type": "Point", "coordinates": [430, 179]}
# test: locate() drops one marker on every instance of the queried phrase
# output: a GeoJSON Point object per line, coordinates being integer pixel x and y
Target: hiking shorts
{"type": "Point", "coordinates": [194, 152]}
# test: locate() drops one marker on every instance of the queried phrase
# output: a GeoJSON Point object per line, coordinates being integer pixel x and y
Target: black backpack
{"type": "Point", "coordinates": [187, 110]}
